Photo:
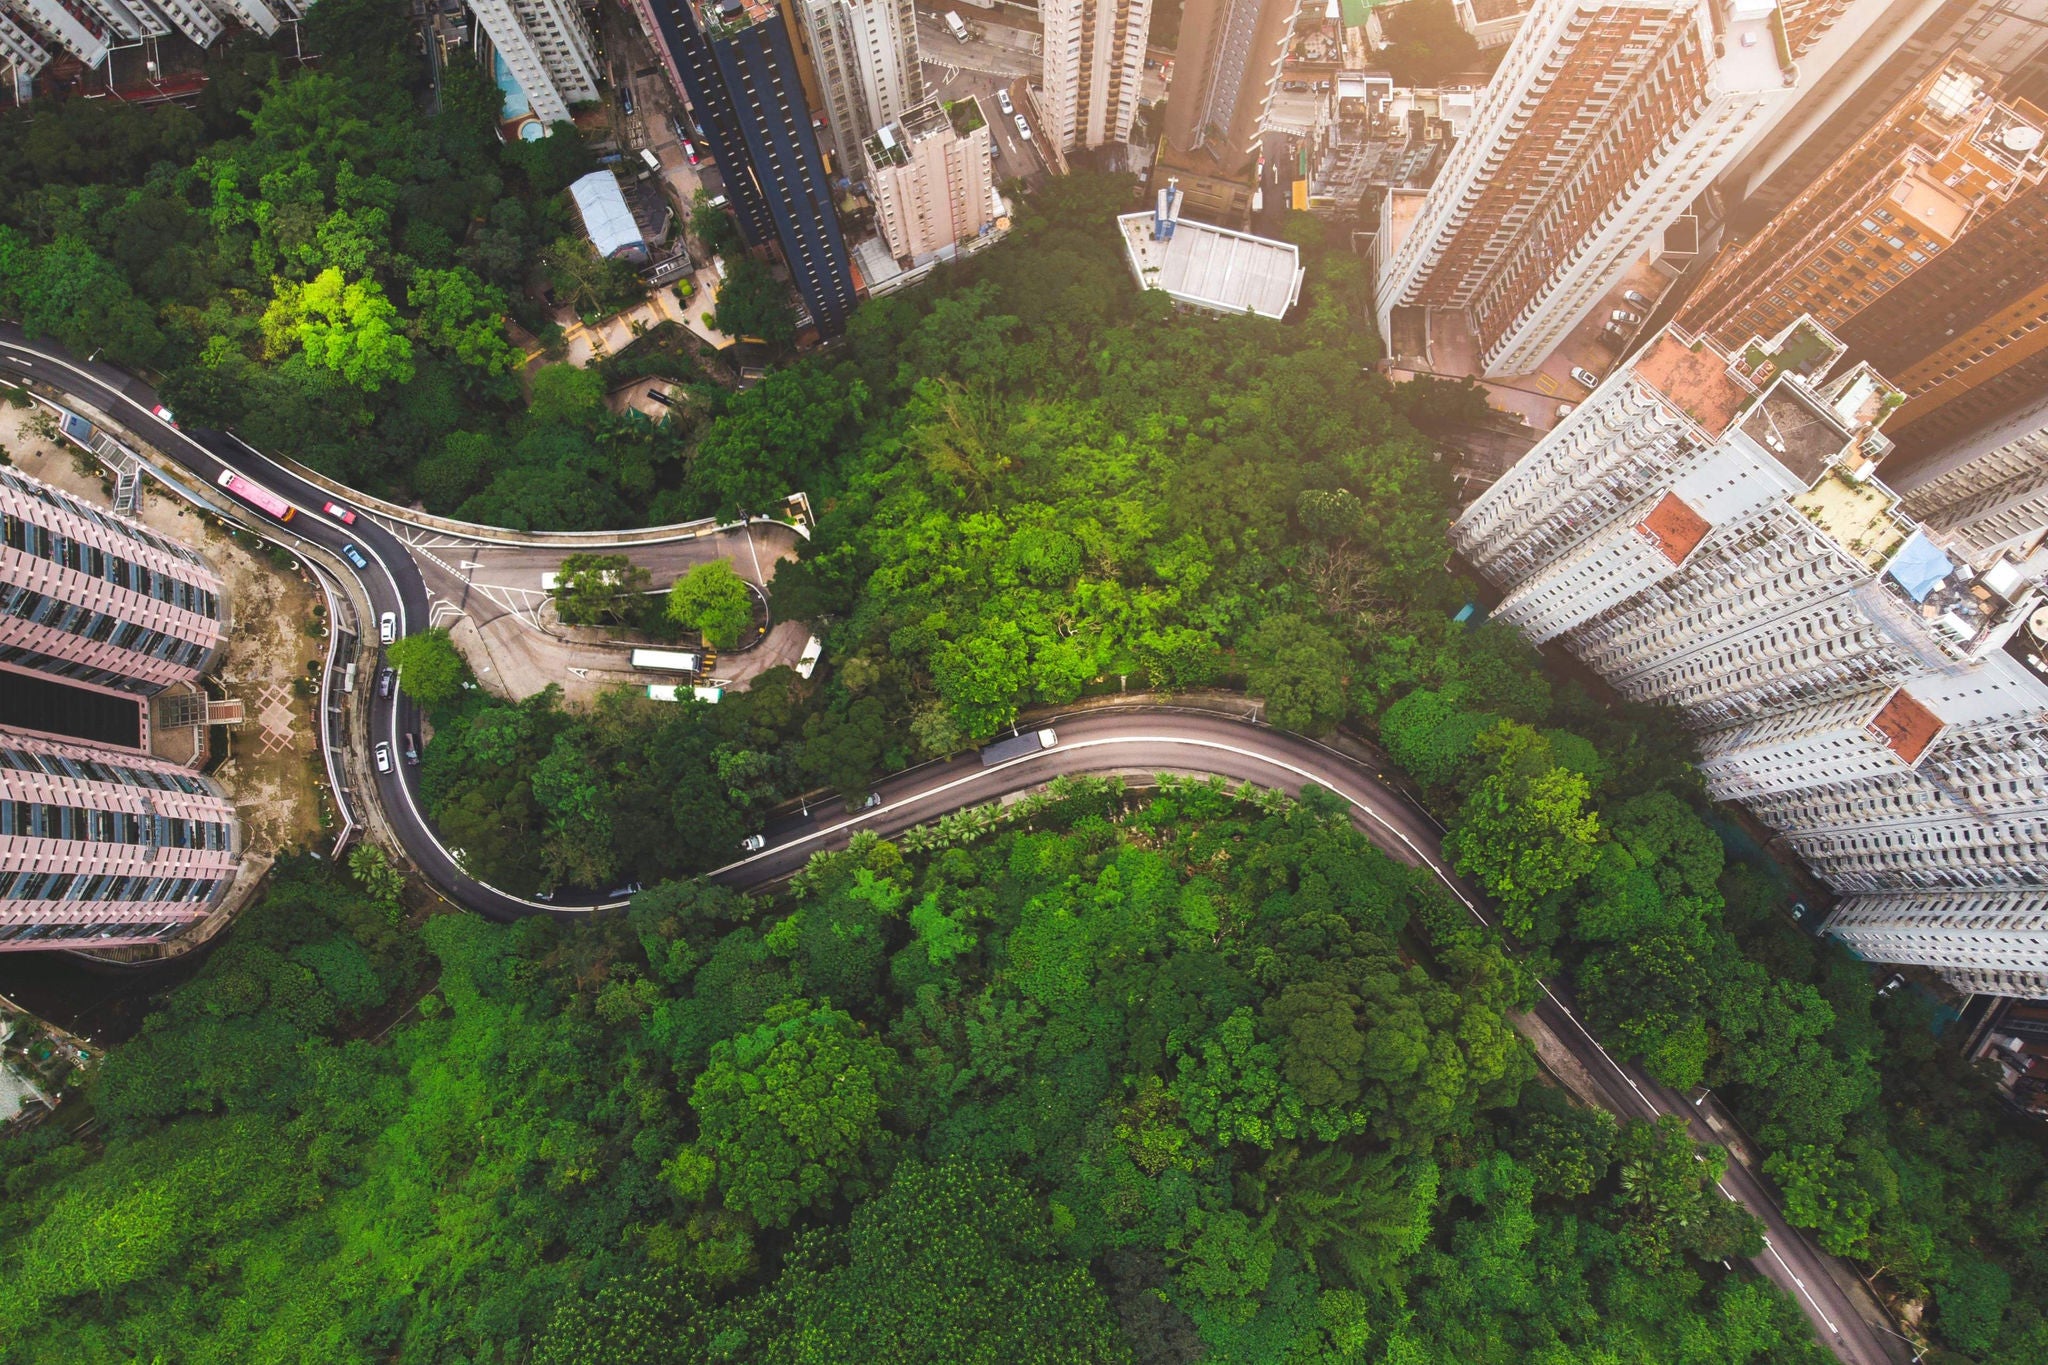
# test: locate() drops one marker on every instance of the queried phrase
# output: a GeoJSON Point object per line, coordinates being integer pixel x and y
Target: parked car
{"type": "Point", "coordinates": [353, 555]}
{"type": "Point", "coordinates": [1637, 299]}
{"type": "Point", "coordinates": [387, 627]}
{"type": "Point", "coordinates": [626, 98]}
{"type": "Point", "coordinates": [1023, 128]}
{"type": "Point", "coordinates": [1585, 376]}
{"type": "Point", "coordinates": [1004, 103]}
{"type": "Point", "coordinates": [383, 757]}
{"type": "Point", "coordinates": [387, 679]}
{"type": "Point", "coordinates": [1626, 318]}
{"type": "Point", "coordinates": [412, 749]}
{"type": "Point", "coordinates": [163, 414]}
{"type": "Point", "coordinates": [754, 843]}
{"type": "Point", "coordinates": [339, 513]}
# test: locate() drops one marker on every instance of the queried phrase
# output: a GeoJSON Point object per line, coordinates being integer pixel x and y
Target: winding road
{"type": "Point", "coordinates": [1141, 741]}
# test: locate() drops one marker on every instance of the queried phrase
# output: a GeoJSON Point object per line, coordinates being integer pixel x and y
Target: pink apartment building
{"type": "Point", "coordinates": [102, 848]}
{"type": "Point", "coordinates": [92, 596]}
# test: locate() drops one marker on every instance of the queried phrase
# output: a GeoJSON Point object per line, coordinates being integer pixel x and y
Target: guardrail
{"type": "Point", "coordinates": [502, 535]}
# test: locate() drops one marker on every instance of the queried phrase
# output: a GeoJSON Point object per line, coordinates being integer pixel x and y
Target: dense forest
{"type": "Point", "coordinates": [1093, 1078]}
{"type": "Point", "coordinates": [1191, 1075]}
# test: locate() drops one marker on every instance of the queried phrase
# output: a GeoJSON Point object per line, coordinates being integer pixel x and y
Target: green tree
{"type": "Point", "coordinates": [1524, 831]}
{"type": "Point", "coordinates": [430, 670]}
{"type": "Point", "coordinates": [465, 317]}
{"type": "Point", "coordinates": [598, 590]}
{"type": "Point", "coordinates": [715, 602]}
{"type": "Point", "coordinates": [1426, 43]}
{"type": "Point", "coordinates": [754, 304]}
{"type": "Point", "coordinates": [790, 1112]}
{"type": "Point", "coordinates": [348, 327]}
{"type": "Point", "coordinates": [1822, 1193]}
{"type": "Point", "coordinates": [1302, 672]}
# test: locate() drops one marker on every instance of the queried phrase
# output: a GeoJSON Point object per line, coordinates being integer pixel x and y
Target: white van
{"type": "Point", "coordinates": [955, 27]}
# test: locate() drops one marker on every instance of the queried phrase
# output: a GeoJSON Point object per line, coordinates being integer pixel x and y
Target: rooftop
{"type": "Point", "coordinates": [1906, 726]}
{"type": "Point", "coordinates": [1859, 517]}
{"type": "Point", "coordinates": [1932, 205]}
{"type": "Point", "coordinates": [1213, 267]}
{"type": "Point", "coordinates": [1675, 528]}
{"type": "Point", "coordinates": [1693, 379]}
{"type": "Point", "coordinates": [1793, 425]}
{"type": "Point", "coordinates": [606, 218]}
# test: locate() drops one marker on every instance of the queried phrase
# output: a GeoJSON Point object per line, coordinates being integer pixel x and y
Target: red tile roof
{"type": "Point", "coordinates": [1695, 381]}
{"type": "Point", "coordinates": [1906, 725]}
{"type": "Point", "coordinates": [1675, 527]}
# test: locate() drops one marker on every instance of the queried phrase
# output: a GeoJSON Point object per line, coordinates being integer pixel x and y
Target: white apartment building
{"type": "Point", "coordinates": [1956, 932]}
{"type": "Point", "coordinates": [1603, 124]}
{"type": "Point", "coordinates": [1989, 489]}
{"type": "Point", "coordinates": [1094, 63]}
{"type": "Point", "coordinates": [932, 186]}
{"type": "Point", "coordinates": [19, 47]}
{"type": "Point", "coordinates": [82, 34]}
{"type": "Point", "coordinates": [865, 55]}
{"type": "Point", "coordinates": [548, 49]}
{"type": "Point", "coordinates": [1708, 532]}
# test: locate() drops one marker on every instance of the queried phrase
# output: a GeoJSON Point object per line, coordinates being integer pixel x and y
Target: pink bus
{"type": "Point", "coordinates": [256, 495]}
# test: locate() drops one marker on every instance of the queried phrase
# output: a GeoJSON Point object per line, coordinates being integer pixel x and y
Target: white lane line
{"type": "Point", "coordinates": [1818, 1310]}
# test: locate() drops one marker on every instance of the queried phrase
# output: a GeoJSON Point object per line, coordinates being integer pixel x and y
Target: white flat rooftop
{"type": "Point", "coordinates": [1213, 267]}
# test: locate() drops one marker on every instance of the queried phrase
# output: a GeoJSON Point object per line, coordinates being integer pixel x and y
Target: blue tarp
{"type": "Point", "coordinates": [1918, 566]}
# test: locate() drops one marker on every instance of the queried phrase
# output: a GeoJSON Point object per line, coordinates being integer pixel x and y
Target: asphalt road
{"type": "Point", "coordinates": [1142, 740]}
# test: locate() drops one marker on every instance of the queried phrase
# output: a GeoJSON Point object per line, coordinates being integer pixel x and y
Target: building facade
{"type": "Point", "coordinates": [1226, 70]}
{"type": "Point", "coordinates": [1094, 63]}
{"type": "Point", "coordinates": [865, 57]}
{"type": "Point", "coordinates": [546, 45]}
{"type": "Point", "coordinates": [104, 849]}
{"type": "Point", "coordinates": [92, 596]}
{"type": "Point", "coordinates": [1868, 62]}
{"type": "Point", "coordinates": [931, 184]}
{"type": "Point", "coordinates": [1708, 532]}
{"type": "Point", "coordinates": [1935, 167]}
{"type": "Point", "coordinates": [19, 47]}
{"type": "Point", "coordinates": [1989, 490]}
{"type": "Point", "coordinates": [739, 70]}
{"type": "Point", "coordinates": [1604, 123]}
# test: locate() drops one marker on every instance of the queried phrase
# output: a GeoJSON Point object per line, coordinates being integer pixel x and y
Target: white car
{"type": "Point", "coordinates": [1023, 128]}
{"type": "Point", "coordinates": [1637, 299]}
{"type": "Point", "coordinates": [754, 843]}
{"type": "Point", "coordinates": [1626, 318]}
{"type": "Point", "coordinates": [383, 757]}
{"type": "Point", "coordinates": [1586, 377]}
{"type": "Point", "coordinates": [387, 627]}
{"type": "Point", "coordinates": [1003, 102]}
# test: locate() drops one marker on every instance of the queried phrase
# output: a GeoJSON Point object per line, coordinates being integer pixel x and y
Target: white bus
{"type": "Point", "coordinates": [674, 692]}
{"type": "Point", "coordinates": [664, 661]}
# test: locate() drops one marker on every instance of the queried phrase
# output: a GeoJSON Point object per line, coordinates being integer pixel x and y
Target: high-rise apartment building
{"type": "Point", "coordinates": [1935, 167]}
{"type": "Point", "coordinates": [1603, 124]}
{"type": "Point", "coordinates": [19, 47]}
{"type": "Point", "coordinates": [865, 57]}
{"type": "Point", "coordinates": [1988, 491]}
{"type": "Point", "coordinates": [1707, 531]}
{"type": "Point", "coordinates": [1226, 68]}
{"type": "Point", "coordinates": [737, 66]}
{"type": "Point", "coordinates": [105, 849]}
{"type": "Point", "coordinates": [546, 45]}
{"type": "Point", "coordinates": [1968, 342]}
{"type": "Point", "coordinates": [88, 595]}
{"type": "Point", "coordinates": [80, 32]}
{"type": "Point", "coordinates": [1094, 63]}
{"type": "Point", "coordinates": [1869, 61]}
{"type": "Point", "coordinates": [932, 185]}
